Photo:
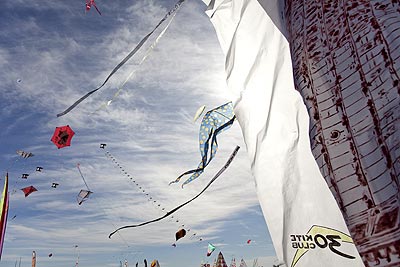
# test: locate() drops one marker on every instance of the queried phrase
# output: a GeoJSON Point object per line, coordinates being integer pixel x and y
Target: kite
{"type": "Point", "coordinates": [24, 154]}
{"type": "Point", "coordinates": [19, 80]}
{"type": "Point", "coordinates": [62, 136]}
{"type": "Point", "coordinates": [50, 255]}
{"type": "Point", "coordinates": [174, 245]}
{"type": "Point", "coordinates": [155, 263]}
{"type": "Point", "coordinates": [89, 4]}
{"type": "Point", "coordinates": [83, 195]}
{"type": "Point", "coordinates": [4, 213]}
{"type": "Point", "coordinates": [128, 57]}
{"type": "Point", "coordinates": [198, 113]}
{"type": "Point", "coordinates": [181, 233]}
{"type": "Point", "coordinates": [39, 169]}
{"type": "Point", "coordinates": [54, 185]}
{"type": "Point", "coordinates": [210, 249]}
{"type": "Point", "coordinates": [28, 190]}
{"type": "Point", "coordinates": [187, 202]}
{"type": "Point", "coordinates": [24, 176]}
{"type": "Point", "coordinates": [248, 241]}
{"type": "Point", "coordinates": [214, 122]}
{"type": "Point", "coordinates": [103, 145]}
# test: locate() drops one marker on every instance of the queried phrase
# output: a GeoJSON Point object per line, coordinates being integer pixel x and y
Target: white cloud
{"type": "Point", "coordinates": [148, 128]}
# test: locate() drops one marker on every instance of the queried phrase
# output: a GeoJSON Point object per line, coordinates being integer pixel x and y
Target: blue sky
{"type": "Point", "coordinates": [51, 53]}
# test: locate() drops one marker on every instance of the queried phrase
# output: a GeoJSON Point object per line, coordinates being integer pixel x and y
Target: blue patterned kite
{"type": "Point", "coordinates": [214, 122]}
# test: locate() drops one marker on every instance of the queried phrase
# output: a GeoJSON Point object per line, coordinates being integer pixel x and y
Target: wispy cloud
{"type": "Point", "coordinates": [59, 55]}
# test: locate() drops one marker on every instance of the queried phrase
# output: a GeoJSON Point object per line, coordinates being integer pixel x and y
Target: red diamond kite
{"type": "Point", "coordinates": [62, 136]}
{"type": "Point", "coordinates": [28, 190]}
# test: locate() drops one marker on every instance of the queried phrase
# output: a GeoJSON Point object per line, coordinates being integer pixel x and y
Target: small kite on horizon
{"type": "Point", "coordinates": [28, 190]}
{"type": "Point", "coordinates": [54, 185]}
{"type": "Point", "coordinates": [24, 176]}
{"type": "Point", "coordinates": [39, 169]}
{"type": "Point", "coordinates": [62, 136]}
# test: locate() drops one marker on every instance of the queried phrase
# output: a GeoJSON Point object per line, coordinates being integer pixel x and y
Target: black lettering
{"type": "Point", "coordinates": [298, 237]}
{"type": "Point", "coordinates": [312, 245]}
{"type": "Point", "coordinates": [335, 243]}
{"type": "Point", "coordinates": [321, 245]}
{"type": "Point", "coordinates": [292, 238]}
{"type": "Point", "coordinates": [294, 245]}
{"type": "Point", "coordinates": [308, 238]}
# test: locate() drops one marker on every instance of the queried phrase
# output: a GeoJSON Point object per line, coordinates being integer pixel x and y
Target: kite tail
{"type": "Point", "coordinates": [133, 52]}
{"type": "Point", "coordinates": [196, 172]}
{"type": "Point", "coordinates": [148, 52]}
{"type": "Point", "coordinates": [213, 142]}
{"type": "Point", "coordinates": [202, 164]}
{"type": "Point", "coordinates": [98, 11]}
{"type": "Point", "coordinates": [187, 202]}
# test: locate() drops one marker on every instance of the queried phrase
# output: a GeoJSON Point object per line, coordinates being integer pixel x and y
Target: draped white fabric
{"type": "Point", "coordinates": [300, 211]}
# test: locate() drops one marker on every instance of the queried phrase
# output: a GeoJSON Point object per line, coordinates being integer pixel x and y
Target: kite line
{"type": "Point", "coordinates": [149, 196]}
{"type": "Point", "coordinates": [131, 54]}
{"type": "Point", "coordinates": [187, 202]}
{"type": "Point", "coordinates": [83, 178]}
{"type": "Point", "coordinates": [98, 203]}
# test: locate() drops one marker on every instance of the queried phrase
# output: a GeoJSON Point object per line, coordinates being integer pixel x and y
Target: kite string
{"type": "Point", "coordinates": [148, 52]}
{"type": "Point", "coordinates": [111, 222]}
{"type": "Point", "coordinates": [122, 170]}
{"type": "Point", "coordinates": [140, 187]}
{"type": "Point", "coordinates": [187, 202]}
{"type": "Point", "coordinates": [133, 52]}
{"type": "Point", "coordinates": [98, 204]}
{"type": "Point", "coordinates": [83, 178]}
